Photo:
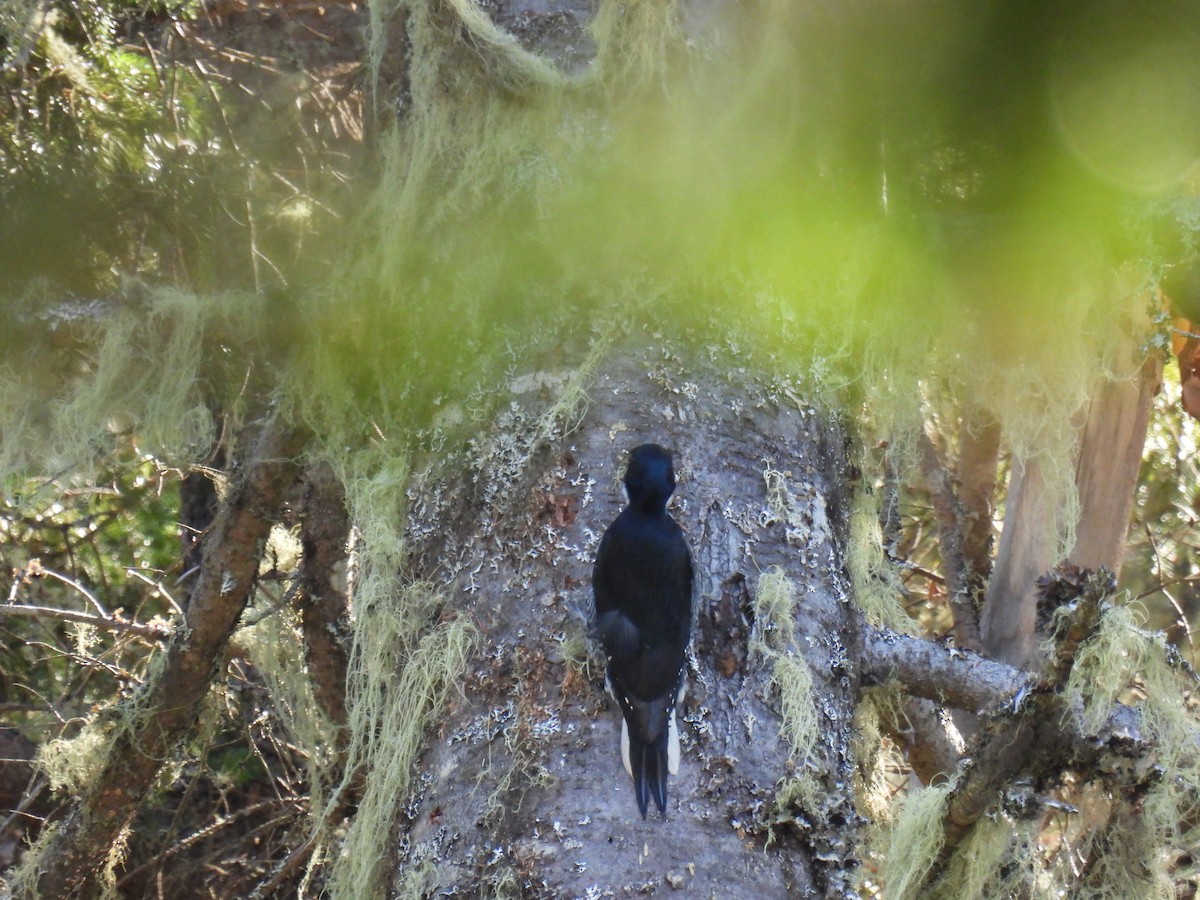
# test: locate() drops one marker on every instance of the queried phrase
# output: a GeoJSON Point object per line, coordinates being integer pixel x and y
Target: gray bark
{"type": "Point", "coordinates": [522, 787]}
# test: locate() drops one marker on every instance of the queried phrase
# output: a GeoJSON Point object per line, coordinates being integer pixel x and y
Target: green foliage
{"type": "Point", "coordinates": [91, 537]}
{"type": "Point", "coordinates": [89, 142]}
{"type": "Point", "coordinates": [123, 151]}
{"type": "Point", "coordinates": [238, 766]}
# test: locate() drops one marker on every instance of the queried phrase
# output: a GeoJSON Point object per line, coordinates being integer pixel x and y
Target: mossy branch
{"type": "Point", "coordinates": [1026, 734]}
{"type": "Point", "coordinates": [1033, 725]}
{"type": "Point", "coordinates": [153, 723]}
{"type": "Point", "coordinates": [1075, 622]}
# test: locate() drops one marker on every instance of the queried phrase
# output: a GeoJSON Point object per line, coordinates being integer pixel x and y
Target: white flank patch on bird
{"type": "Point", "coordinates": [673, 746]}
{"type": "Point", "coordinates": [625, 747]}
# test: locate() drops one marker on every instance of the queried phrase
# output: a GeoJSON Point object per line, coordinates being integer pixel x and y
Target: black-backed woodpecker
{"type": "Point", "coordinates": [643, 617]}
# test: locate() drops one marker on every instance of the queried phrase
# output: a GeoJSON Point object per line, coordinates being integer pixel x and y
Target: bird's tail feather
{"type": "Point", "coordinates": [649, 763]}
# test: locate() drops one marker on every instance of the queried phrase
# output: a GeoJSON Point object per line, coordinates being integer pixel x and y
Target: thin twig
{"type": "Point", "coordinates": [906, 566]}
{"type": "Point", "coordinates": [158, 587]}
{"type": "Point", "coordinates": [206, 832]}
{"type": "Point", "coordinates": [36, 785]}
{"type": "Point", "coordinates": [1149, 592]}
{"type": "Point", "coordinates": [87, 662]}
{"type": "Point", "coordinates": [111, 623]}
{"type": "Point", "coordinates": [71, 583]}
{"type": "Point", "coordinates": [1187, 628]}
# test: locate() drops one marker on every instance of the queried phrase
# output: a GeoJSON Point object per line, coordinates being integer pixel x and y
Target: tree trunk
{"type": "Point", "coordinates": [523, 783]}
{"type": "Point", "coordinates": [1026, 552]}
{"type": "Point", "coordinates": [1110, 459]}
{"type": "Point", "coordinates": [1112, 431]}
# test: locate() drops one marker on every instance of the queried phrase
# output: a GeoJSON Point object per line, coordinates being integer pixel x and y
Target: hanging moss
{"type": "Point", "coordinates": [876, 586]}
{"type": "Point", "coordinates": [147, 380]}
{"type": "Point", "coordinates": [1153, 819]}
{"type": "Point", "coordinates": [873, 790]}
{"type": "Point", "coordinates": [399, 677]}
{"type": "Point", "coordinates": [273, 645]}
{"type": "Point", "coordinates": [1107, 664]}
{"type": "Point", "coordinates": [519, 210]}
{"type": "Point", "coordinates": [773, 641]}
{"type": "Point", "coordinates": [998, 859]}
{"type": "Point", "coordinates": [915, 838]}
{"type": "Point", "coordinates": [71, 764]}
{"type": "Point", "coordinates": [31, 862]}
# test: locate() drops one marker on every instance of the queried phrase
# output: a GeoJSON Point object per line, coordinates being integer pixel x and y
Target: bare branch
{"type": "Point", "coordinates": [35, 569]}
{"type": "Point", "coordinates": [949, 676]}
{"type": "Point", "coordinates": [158, 587]}
{"type": "Point", "coordinates": [111, 623]}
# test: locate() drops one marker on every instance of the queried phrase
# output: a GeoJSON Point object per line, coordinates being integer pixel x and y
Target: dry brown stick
{"type": "Point", "coordinates": [978, 455]}
{"type": "Point", "coordinates": [201, 834]}
{"type": "Point", "coordinates": [163, 712]}
{"type": "Point", "coordinates": [285, 869]}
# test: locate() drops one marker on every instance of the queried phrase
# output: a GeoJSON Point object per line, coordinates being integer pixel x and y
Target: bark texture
{"type": "Point", "coordinates": [1112, 431]}
{"type": "Point", "coordinates": [522, 786]}
{"type": "Point", "coordinates": [323, 605]}
{"type": "Point", "coordinates": [954, 522]}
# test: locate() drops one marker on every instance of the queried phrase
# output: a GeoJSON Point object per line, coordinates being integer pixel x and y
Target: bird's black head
{"type": "Point", "coordinates": [650, 477]}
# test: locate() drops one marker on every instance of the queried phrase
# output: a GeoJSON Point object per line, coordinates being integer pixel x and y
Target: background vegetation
{"type": "Point", "coordinates": [209, 215]}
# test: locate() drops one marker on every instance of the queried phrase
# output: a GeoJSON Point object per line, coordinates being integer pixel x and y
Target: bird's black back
{"type": "Point", "coordinates": [643, 581]}
{"type": "Point", "coordinates": [643, 616]}
{"type": "Point", "coordinates": [643, 574]}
